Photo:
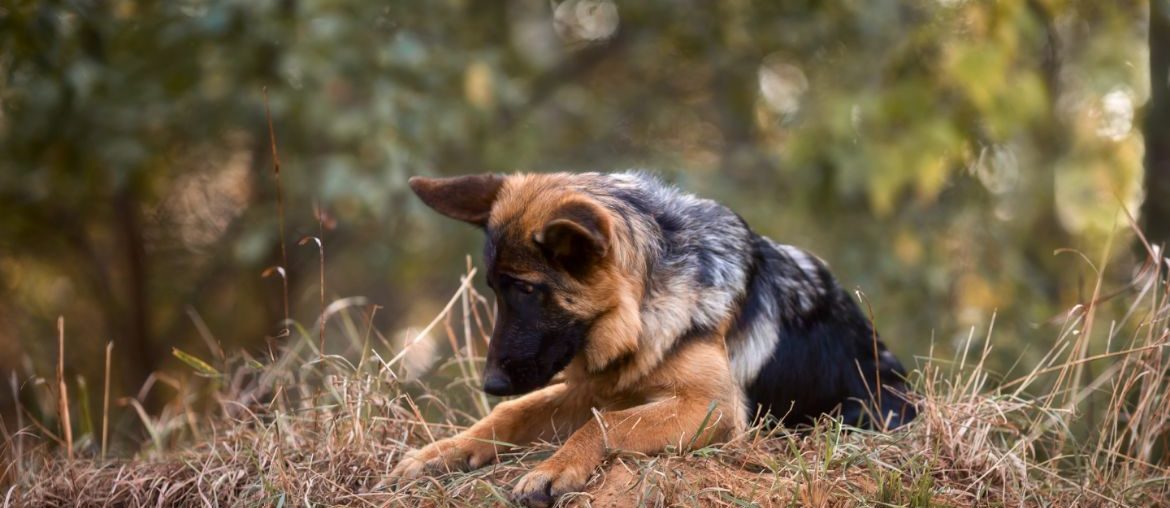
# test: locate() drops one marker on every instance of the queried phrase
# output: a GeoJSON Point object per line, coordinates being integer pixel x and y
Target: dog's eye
{"type": "Point", "coordinates": [509, 283]}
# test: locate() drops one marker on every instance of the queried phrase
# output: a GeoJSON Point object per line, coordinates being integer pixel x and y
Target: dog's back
{"type": "Point", "coordinates": [799, 345]}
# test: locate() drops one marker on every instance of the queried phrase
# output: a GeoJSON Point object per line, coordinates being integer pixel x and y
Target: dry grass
{"type": "Point", "coordinates": [302, 428]}
{"type": "Point", "coordinates": [306, 429]}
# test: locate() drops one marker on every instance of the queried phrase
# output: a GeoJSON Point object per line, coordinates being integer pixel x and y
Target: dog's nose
{"type": "Point", "coordinates": [495, 382]}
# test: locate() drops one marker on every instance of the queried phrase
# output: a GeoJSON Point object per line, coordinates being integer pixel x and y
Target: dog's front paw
{"type": "Point", "coordinates": [552, 478]}
{"type": "Point", "coordinates": [453, 454]}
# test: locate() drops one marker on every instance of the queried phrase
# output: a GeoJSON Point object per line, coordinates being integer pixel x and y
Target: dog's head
{"type": "Point", "coordinates": [549, 256]}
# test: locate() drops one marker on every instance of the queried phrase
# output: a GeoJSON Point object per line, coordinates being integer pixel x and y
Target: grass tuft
{"type": "Point", "coordinates": [312, 429]}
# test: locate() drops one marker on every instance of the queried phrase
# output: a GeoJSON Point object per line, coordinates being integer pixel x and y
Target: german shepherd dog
{"type": "Point", "coordinates": [633, 316]}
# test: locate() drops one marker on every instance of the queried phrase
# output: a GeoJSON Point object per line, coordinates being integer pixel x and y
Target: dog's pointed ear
{"type": "Point", "coordinates": [466, 198]}
{"type": "Point", "coordinates": [577, 237]}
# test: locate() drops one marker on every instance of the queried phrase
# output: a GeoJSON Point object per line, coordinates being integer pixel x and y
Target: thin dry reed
{"type": "Point", "coordinates": [63, 390]}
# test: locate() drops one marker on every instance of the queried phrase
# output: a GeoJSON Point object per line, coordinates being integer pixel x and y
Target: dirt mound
{"type": "Point", "coordinates": [207, 479]}
{"type": "Point", "coordinates": [673, 481]}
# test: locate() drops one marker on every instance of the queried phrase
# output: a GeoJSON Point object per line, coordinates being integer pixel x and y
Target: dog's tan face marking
{"type": "Point", "coordinates": [549, 257]}
{"type": "Point", "coordinates": [605, 286]}
{"type": "Point", "coordinates": [560, 263]}
{"type": "Point", "coordinates": [538, 221]}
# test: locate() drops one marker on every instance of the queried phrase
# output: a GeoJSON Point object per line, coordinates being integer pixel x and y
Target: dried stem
{"type": "Point", "coordinates": [106, 401]}
{"type": "Point", "coordinates": [62, 390]}
{"type": "Point", "coordinates": [321, 256]}
{"type": "Point", "coordinates": [279, 202]}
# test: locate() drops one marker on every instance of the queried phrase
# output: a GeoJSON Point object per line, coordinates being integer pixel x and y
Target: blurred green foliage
{"type": "Point", "coordinates": [936, 152]}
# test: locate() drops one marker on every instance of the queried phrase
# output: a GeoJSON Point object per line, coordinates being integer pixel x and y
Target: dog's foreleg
{"type": "Point", "coordinates": [694, 411]}
{"type": "Point", "coordinates": [543, 414]}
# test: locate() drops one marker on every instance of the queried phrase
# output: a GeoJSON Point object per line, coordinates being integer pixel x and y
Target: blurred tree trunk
{"type": "Point", "coordinates": [136, 320]}
{"type": "Point", "coordinates": [1052, 141]}
{"type": "Point", "coordinates": [1156, 208]}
